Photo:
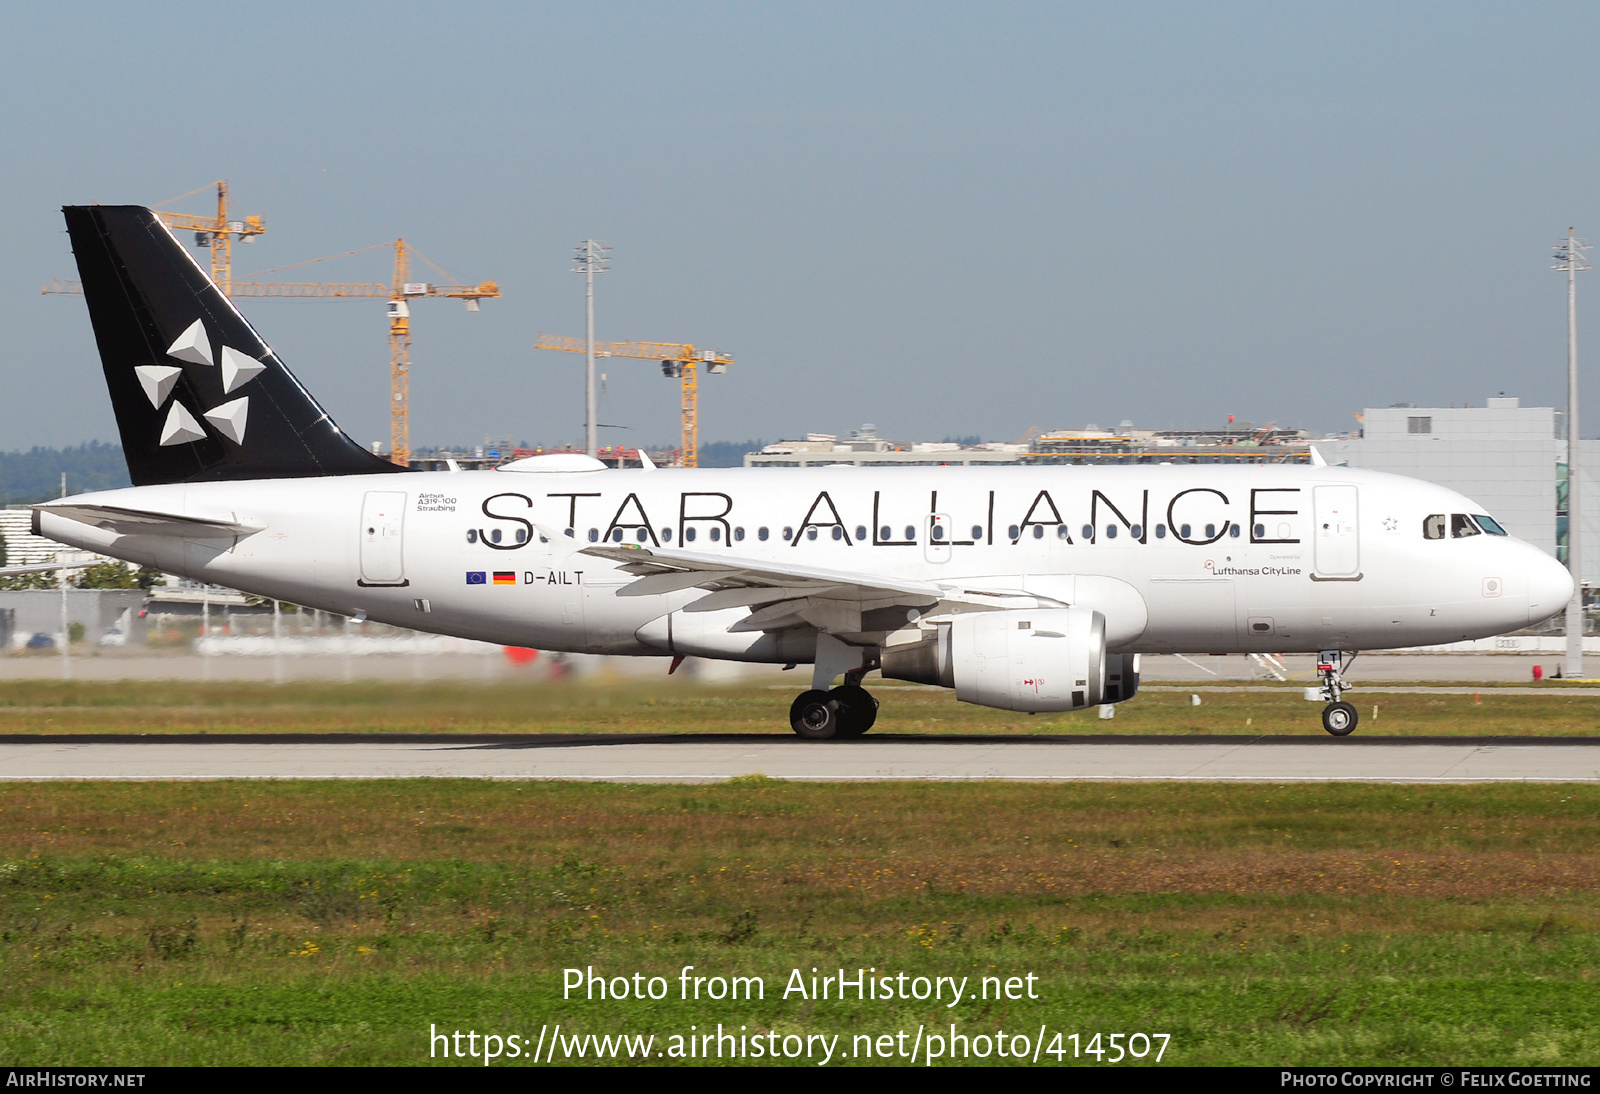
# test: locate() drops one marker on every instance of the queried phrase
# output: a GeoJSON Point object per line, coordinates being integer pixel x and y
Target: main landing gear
{"type": "Point", "coordinates": [1338, 717]}
{"type": "Point", "coordinates": [824, 714]}
{"type": "Point", "coordinates": [846, 711]}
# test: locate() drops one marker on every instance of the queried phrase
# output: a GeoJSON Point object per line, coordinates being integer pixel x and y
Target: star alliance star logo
{"type": "Point", "coordinates": [193, 347]}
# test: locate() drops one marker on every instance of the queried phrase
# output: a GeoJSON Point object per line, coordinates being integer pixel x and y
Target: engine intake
{"type": "Point", "coordinates": [1041, 659]}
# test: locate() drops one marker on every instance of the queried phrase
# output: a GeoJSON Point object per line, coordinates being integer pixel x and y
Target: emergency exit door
{"type": "Point", "coordinates": [383, 515]}
{"type": "Point", "coordinates": [936, 540]}
{"type": "Point", "coordinates": [1337, 550]}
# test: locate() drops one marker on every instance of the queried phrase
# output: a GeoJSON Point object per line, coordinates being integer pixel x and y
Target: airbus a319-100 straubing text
{"type": "Point", "coordinates": [1030, 589]}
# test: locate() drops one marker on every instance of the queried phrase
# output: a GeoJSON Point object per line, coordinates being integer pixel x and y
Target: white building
{"type": "Point", "coordinates": [1507, 456]}
{"type": "Point", "coordinates": [23, 548]}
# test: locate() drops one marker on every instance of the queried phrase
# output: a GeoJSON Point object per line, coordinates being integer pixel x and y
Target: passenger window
{"type": "Point", "coordinates": [616, 535]}
{"type": "Point", "coordinates": [1161, 531]}
{"type": "Point", "coordinates": [1233, 530]}
{"type": "Point", "coordinates": [594, 535]}
{"type": "Point", "coordinates": [883, 533]}
{"type": "Point", "coordinates": [1136, 531]}
{"type": "Point", "coordinates": [1183, 533]}
{"type": "Point", "coordinates": [911, 534]}
{"type": "Point", "coordinates": [788, 534]}
{"type": "Point", "coordinates": [716, 534]}
{"type": "Point", "coordinates": [522, 535]}
{"type": "Point", "coordinates": [666, 535]}
{"type": "Point", "coordinates": [977, 532]}
{"type": "Point", "coordinates": [1433, 526]}
{"type": "Point", "coordinates": [761, 533]}
{"type": "Point", "coordinates": [1088, 532]}
{"type": "Point", "coordinates": [642, 534]}
{"type": "Point", "coordinates": [1461, 526]}
{"type": "Point", "coordinates": [1111, 531]}
{"type": "Point", "coordinates": [838, 533]}
{"type": "Point", "coordinates": [472, 535]}
{"type": "Point", "coordinates": [861, 532]}
{"type": "Point", "coordinates": [1062, 533]}
{"type": "Point", "coordinates": [938, 531]}
{"type": "Point", "coordinates": [1211, 531]}
{"type": "Point", "coordinates": [688, 534]}
{"type": "Point", "coordinates": [1038, 531]}
{"type": "Point", "coordinates": [811, 533]}
{"type": "Point", "coordinates": [1013, 533]}
{"type": "Point", "coordinates": [1490, 525]}
{"type": "Point", "coordinates": [494, 534]}
{"type": "Point", "coordinates": [738, 534]}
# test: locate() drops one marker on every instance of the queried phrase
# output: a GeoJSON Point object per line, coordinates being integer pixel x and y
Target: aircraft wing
{"type": "Point", "coordinates": [780, 595]}
{"type": "Point", "coordinates": [143, 522]}
{"type": "Point", "coordinates": [784, 595]}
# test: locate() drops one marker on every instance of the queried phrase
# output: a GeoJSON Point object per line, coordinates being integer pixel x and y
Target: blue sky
{"type": "Point", "coordinates": [943, 219]}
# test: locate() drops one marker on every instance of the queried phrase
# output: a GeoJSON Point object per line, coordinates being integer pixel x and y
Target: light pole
{"type": "Point", "coordinates": [1569, 259]}
{"type": "Point", "coordinates": [590, 257]}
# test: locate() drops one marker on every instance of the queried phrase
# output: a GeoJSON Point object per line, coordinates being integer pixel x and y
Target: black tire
{"type": "Point", "coordinates": [1340, 719]}
{"type": "Point", "coordinates": [858, 709]}
{"type": "Point", "coordinates": [816, 716]}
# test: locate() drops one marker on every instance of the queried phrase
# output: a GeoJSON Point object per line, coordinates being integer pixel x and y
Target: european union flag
{"type": "Point", "coordinates": [477, 577]}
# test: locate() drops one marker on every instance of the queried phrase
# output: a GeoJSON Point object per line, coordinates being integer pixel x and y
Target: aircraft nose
{"type": "Point", "coordinates": [1549, 587]}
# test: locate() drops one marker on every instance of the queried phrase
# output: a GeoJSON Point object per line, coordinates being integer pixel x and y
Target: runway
{"type": "Point", "coordinates": [712, 759]}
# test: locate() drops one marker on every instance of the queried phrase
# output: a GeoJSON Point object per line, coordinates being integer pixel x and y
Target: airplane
{"type": "Point", "coordinates": [1021, 588]}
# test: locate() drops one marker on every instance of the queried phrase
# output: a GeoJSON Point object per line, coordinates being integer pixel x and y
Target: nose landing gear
{"type": "Point", "coordinates": [1338, 717]}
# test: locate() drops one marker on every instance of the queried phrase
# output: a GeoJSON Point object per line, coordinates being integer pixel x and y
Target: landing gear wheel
{"type": "Point", "coordinates": [857, 709]}
{"type": "Point", "coordinates": [1339, 719]}
{"type": "Point", "coordinates": [817, 716]}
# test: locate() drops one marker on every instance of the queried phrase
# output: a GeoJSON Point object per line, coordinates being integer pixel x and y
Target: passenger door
{"type": "Point", "coordinates": [383, 514]}
{"type": "Point", "coordinates": [1337, 546]}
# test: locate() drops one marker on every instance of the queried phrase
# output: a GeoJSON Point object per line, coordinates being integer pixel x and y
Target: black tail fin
{"type": "Point", "coordinates": [198, 394]}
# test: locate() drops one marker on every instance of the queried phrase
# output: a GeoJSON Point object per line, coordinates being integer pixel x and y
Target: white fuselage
{"type": "Point", "coordinates": [1189, 558]}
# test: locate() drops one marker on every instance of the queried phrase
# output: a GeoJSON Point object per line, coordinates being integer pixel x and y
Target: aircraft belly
{"type": "Point", "coordinates": [1190, 615]}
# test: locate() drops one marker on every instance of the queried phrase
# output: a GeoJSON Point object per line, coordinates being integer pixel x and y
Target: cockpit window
{"type": "Point", "coordinates": [1461, 526]}
{"type": "Point", "coordinates": [1433, 526]}
{"type": "Point", "coordinates": [1490, 525]}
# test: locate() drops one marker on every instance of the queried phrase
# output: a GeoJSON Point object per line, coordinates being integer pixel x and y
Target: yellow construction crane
{"type": "Point", "coordinates": [678, 360]}
{"type": "Point", "coordinates": [218, 233]}
{"type": "Point", "coordinates": [405, 289]}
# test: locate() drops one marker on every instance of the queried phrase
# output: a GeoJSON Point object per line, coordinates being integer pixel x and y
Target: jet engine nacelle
{"type": "Point", "coordinates": [1041, 659]}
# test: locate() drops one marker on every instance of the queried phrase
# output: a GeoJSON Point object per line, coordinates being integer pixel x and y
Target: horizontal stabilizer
{"type": "Point", "coordinates": [142, 522]}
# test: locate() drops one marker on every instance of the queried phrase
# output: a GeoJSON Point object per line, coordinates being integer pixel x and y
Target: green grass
{"type": "Point", "coordinates": [56, 707]}
{"type": "Point", "coordinates": [305, 923]}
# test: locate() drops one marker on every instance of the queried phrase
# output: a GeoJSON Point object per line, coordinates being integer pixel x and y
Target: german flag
{"type": "Point", "coordinates": [505, 577]}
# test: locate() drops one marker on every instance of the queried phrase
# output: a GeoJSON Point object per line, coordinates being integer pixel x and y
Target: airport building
{"type": "Point", "coordinates": [864, 448]}
{"type": "Point", "coordinates": [1510, 458]}
{"type": "Point", "coordinates": [23, 548]}
{"type": "Point", "coordinates": [1503, 455]}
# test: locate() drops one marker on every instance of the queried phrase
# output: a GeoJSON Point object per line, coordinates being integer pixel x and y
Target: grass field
{"type": "Point", "coordinates": [333, 922]}
{"type": "Point", "coordinates": [307, 923]}
{"type": "Point", "coordinates": [55, 707]}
